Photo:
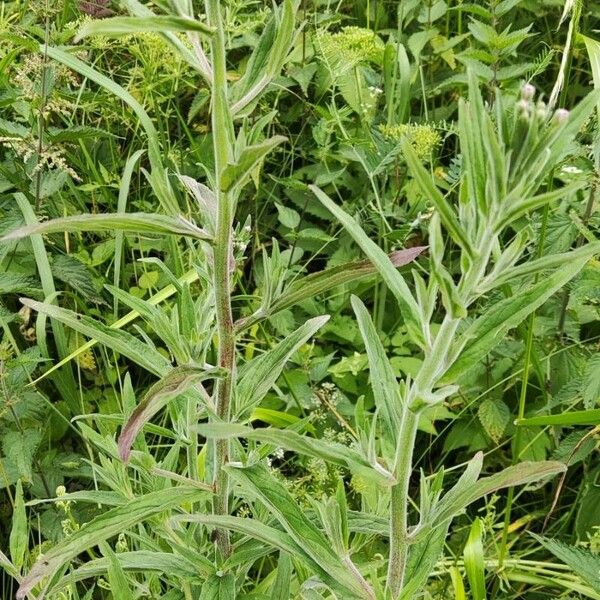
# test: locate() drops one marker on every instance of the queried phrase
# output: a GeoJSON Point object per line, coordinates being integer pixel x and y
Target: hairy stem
{"type": "Point", "coordinates": [399, 538]}
{"type": "Point", "coordinates": [222, 138]}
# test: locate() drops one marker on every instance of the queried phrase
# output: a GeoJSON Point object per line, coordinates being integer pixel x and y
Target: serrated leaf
{"type": "Point", "coordinates": [494, 416]}
{"type": "Point", "coordinates": [581, 561]}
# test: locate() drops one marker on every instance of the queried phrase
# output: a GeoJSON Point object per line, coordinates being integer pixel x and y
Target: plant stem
{"type": "Point", "coordinates": [222, 134]}
{"type": "Point", "coordinates": [399, 504]}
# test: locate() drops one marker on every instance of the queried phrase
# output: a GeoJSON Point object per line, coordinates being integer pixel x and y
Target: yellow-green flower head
{"type": "Point", "coordinates": [424, 138]}
{"type": "Point", "coordinates": [352, 45]}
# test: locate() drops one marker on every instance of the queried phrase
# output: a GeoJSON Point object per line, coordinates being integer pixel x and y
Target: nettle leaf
{"type": "Point", "coordinates": [103, 527]}
{"type": "Point", "coordinates": [20, 448]}
{"type": "Point", "coordinates": [170, 386]}
{"type": "Point", "coordinates": [581, 561]}
{"type": "Point", "coordinates": [75, 274]}
{"type": "Point", "coordinates": [494, 416]}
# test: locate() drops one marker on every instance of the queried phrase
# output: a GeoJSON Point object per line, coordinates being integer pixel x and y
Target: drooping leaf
{"type": "Point", "coordinates": [176, 382]}
{"type": "Point", "coordinates": [138, 223]}
{"type": "Point", "coordinates": [118, 26]}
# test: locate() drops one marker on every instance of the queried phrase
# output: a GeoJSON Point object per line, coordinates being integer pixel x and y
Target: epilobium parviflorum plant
{"type": "Point", "coordinates": [206, 516]}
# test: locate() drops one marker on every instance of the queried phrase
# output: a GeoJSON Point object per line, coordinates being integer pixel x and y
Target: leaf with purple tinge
{"type": "Point", "coordinates": [176, 382]}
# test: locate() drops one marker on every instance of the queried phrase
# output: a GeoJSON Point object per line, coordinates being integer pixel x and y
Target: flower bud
{"type": "Point", "coordinates": [561, 115]}
{"type": "Point", "coordinates": [523, 108]}
{"type": "Point", "coordinates": [527, 91]}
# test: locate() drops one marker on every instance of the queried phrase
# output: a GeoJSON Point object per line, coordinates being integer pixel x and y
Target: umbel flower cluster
{"type": "Point", "coordinates": [351, 46]}
{"type": "Point", "coordinates": [423, 138]}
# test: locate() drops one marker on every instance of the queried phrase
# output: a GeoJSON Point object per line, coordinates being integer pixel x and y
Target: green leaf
{"type": "Point", "coordinates": [268, 57]}
{"type": "Point", "coordinates": [493, 325]}
{"type": "Point", "coordinates": [117, 580]}
{"type": "Point", "coordinates": [299, 527]}
{"type": "Point", "coordinates": [565, 419]}
{"type": "Point", "coordinates": [138, 223]}
{"type": "Point", "coordinates": [494, 416]}
{"type": "Point", "coordinates": [103, 527]}
{"type": "Point", "coordinates": [175, 383]}
{"type": "Point", "coordinates": [118, 26]}
{"type": "Point", "coordinates": [121, 341]}
{"type": "Point", "coordinates": [383, 381]}
{"type": "Point", "coordinates": [475, 561]}
{"type": "Point", "coordinates": [332, 452]}
{"type": "Point", "coordinates": [310, 286]}
{"type": "Point", "coordinates": [393, 279]}
{"type": "Point", "coordinates": [261, 373]}
{"type": "Point", "coordinates": [466, 491]}
{"type": "Point", "coordinates": [593, 49]}
{"type": "Point", "coordinates": [442, 205]}
{"type": "Point", "coordinates": [234, 174]}
{"type": "Point", "coordinates": [19, 532]}
{"type": "Point", "coordinates": [581, 561]}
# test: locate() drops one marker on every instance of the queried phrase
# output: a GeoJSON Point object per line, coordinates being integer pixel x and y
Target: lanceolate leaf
{"type": "Point", "coordinates": [321, 282]}
{"type": "Point", "coordinates": [104, 526]}
{"type": "Point", "coordinates": [237, 172]}
{"type": "Point", "coordinates": [383, 381]}
{"type": "Point", "coordinates": [393, 279]}
{"type": "Point", "coordinates": [261, 373]}
{"type": "Point", "coordinates": [138, 223]}
{"type": "Point", "coordinates": [300, 528]}
{"type": "Point", "coordinates": [577, 417]}
{"type": "Point", "coordinates": [332, 452]}
{"type": "Point", "coordinates": [118, 26]}
{"type": "Point", "coordinates": [466, 491]}
{"type": "Point", "coordinates": [121, 341]}
{"type": "Point", "coordinates": [176, 382]}
{"type": "Point", "coordinates": [491, 327]}
{"type": "Point", "coordinates": [442, 205]}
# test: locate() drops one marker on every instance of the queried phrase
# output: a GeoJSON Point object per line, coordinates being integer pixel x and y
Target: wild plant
{"type": "Point", "coordinates": [196, 496]}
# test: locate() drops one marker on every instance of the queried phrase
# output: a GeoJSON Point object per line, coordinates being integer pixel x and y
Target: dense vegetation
{"type": "Point", "coordinates": [299, 299]}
